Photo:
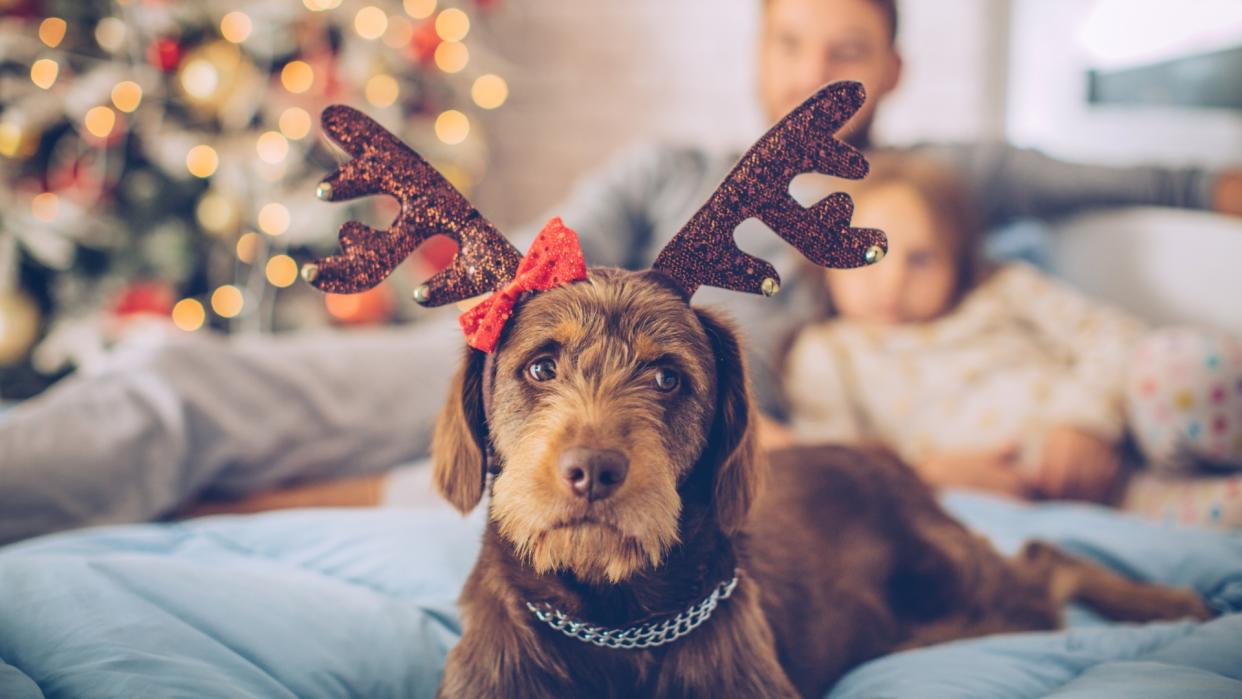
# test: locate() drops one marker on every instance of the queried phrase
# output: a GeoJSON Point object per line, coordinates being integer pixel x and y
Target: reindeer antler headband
{"type": "Point", "coordinates": [702, 253]}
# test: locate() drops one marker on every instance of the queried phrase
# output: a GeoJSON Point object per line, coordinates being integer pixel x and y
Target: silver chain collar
{"type": "Point", "coordinates": [647, 635]}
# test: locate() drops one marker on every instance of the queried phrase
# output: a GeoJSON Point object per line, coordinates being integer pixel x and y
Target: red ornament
{"type": "Point", "coordinates": [151, 297]}
{"type": "Point", "coordinates": [164, 53]}
{"type": "Point", "coordinates": [370, 307]}
{"type": "Point", "coordinates": [554, 258]}
{"type": "Point", "coordinates": [423, 46]}
{"type": "Point", "coordinates": [81, 175]}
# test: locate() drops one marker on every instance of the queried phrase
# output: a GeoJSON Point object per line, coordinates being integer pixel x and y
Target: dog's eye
{"type": "Point", "coordinates": [542, 369]}
{"type": "Point", "coordinates": [666, 379]}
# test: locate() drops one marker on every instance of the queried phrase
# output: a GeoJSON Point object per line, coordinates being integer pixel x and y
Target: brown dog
{"type": "Point", "coordinates": [626, 489]}
{"type": "Point", "coordinates": [630, 549]}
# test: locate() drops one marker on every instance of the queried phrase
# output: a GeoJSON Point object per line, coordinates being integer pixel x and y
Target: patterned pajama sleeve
{"type": "Point", "coordinates": [1184, 399]}
{"type": "Point", "coordinates": [1184, 407]}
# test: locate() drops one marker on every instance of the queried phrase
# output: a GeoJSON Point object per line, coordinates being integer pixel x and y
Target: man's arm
{"type": "Point", "coordinates": [1012, 183]}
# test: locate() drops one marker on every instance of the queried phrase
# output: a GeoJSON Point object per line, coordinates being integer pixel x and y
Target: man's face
{"type": "Point", "coordinates": [807, 43]}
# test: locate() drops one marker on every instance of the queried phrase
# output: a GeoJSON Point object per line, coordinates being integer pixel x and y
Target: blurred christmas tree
{"type": "Point", "coordinates": [159, 160]}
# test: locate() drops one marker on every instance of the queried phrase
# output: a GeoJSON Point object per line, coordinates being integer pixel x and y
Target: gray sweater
{"type": "Point", "coordinates": [213, 417]}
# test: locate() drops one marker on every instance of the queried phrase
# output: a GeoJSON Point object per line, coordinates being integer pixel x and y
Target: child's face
{"type": "Point", "coordinates": [915, 282]}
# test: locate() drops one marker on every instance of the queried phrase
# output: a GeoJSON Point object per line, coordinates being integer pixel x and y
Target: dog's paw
{"type": "Point", "coordinates": [1180, 603]}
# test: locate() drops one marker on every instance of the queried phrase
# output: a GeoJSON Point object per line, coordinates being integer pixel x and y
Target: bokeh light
{"type": "Point", "coordinates": [452, 126]}
{"type": "Point", "coordinates": [188, 315]}
{"type": "Point", "coordinates": [272, 147]}
{"type": "Point", "coordinates": [452, 56]}
{"type": "Point", "coordinates": [281, 271]}
{"type": "Point", "coordinates": [382, 90]}
{"type": "Point", "coordinates": [227, 301]}
{"type": "Point", "coordinates": [127, 95]}
{"type": "Point", "coordinates": [248, 247]}
{"type": "Point", "coordinates": [199, 78]}
{"type": "Point", "coordinates": [419, 9]}
{"type": "Point", "coordinates": [452, 24]}
{"type": "Point", "coordinates": [110, 34]}
{"type": "Point", "coordinates": [217, 213]}
{"type": "Point", "coordinates": [295, 123]}
{"type": "Point", "coordinates": [202, 161]}
{"type": "Point", "coordinates": [52, 31]}
{"type": "Point", "coordinates": [43, 72]}
{"type": "Point", "coordinates": [100, 121]}
{"type": "Point", "coordinates": [297, 76]}
{"type": "Point", "coordinates": [489, 91]}
{"type": "Point", "coordinates": [274, 218]}
{"type": "Point", "coordinates": [371, 22]}
{"type": "Point", "coordinates": [236, 26]}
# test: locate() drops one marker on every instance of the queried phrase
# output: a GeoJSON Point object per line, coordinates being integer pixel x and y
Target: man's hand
{"type": "Point", "coordinates": [994, 470]}
{"type": "Point", "coordinates": [1076, 464]}
{"type": "Point", "coordinates": [1227, 194]}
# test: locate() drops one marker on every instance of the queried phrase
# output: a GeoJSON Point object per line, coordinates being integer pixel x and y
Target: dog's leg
{"type": "Point", "coordinates": [1072, 579]}
{"type": "Point", "coordinates": [963, 588]}
{"type": "Point", "coordinates": [498, 655]}
{"type": "Point", "coordinates": [497, 665]}
{"type": "Point", "coordinates": [734, 655]}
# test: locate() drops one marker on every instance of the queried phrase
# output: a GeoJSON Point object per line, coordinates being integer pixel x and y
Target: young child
{"type": "Point", "coordinates": [1000, 378]}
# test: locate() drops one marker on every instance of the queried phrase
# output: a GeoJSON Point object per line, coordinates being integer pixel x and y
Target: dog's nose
{"type": "Point", "coordinates": [593, 474]}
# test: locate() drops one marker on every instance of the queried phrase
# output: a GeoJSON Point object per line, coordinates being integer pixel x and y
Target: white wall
{"type": "Point", "coordinates": [953, 84]}
{"type": "Point", "coordinates": [588, 77]}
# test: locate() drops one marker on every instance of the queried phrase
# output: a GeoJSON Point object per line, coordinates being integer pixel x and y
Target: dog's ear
{"type": "Point", "coordinates": [457, 447]}
{"type": "Point", "coordinates": [732, 449]}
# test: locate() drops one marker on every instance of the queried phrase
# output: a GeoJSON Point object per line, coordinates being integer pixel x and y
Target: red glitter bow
{"type": "Point", "coordinates": [554, 258]}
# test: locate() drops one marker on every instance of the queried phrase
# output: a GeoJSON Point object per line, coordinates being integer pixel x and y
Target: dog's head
{"type": "Point", "coordinates": [608, 402]}
{"type": "Point", "coordinates": [607, 407]}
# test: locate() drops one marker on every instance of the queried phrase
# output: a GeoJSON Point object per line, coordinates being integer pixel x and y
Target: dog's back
{"type": "Point", "coordinates": [855, 558]}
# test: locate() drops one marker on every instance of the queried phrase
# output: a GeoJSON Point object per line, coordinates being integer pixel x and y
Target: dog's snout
{"type": "Point", "coordinates": [593, 474]}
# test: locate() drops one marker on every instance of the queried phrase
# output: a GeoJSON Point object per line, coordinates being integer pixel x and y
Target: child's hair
{"type": "Point", "coordinates": [955, 214]}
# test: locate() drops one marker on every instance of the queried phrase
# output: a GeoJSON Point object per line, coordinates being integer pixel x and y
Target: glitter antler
{"type": "Point", "coordinates": [381, 163]}
{"type": "Point", "coordinates": [704, 251]}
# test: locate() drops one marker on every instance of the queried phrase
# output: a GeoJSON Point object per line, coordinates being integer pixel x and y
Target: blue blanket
{"type": "Point", "coordinates": [359, 603]}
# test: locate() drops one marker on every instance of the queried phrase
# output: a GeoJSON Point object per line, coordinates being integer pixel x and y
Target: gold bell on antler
{"type": "Point", "coordinates": [874, 254]}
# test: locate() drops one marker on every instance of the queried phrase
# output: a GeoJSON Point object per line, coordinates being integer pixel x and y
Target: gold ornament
{"type": "Point", "coordinates": [216, 77]}
{"type": "Point", "coordinates": [19, 326]}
